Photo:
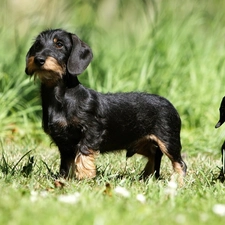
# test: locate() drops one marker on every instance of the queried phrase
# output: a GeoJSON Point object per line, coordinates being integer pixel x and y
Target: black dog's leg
{"type": "Point", "coordinates": [154, 155]}
{"type": "Point", "coordinates": [222, 157]}
{"type": "Point", "coordinates": [158, 157]}
{"type": "Point", "coordinates": [67, 165]}
{"type": "Point", "coordinates": [149, 149]}
{"type": "Point", "coordinates": [179, 166]}
{"type": "Point", "coordinates": [174, 155]}
{"type": "Point", "coordinates": [77, 164]}
{"type": "Point", "coordinates": [172, 150]}
{"type": "Point", "coordinates": [149, 167]}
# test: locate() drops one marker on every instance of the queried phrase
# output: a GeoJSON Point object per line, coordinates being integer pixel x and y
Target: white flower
{"type": "Point", "coordinates": [171, 189]}
{"type": "Point", "coordinates": [141, 198]}
{"type": "Point", "coordinates": [122, 191]}
{"type": "Point", "coordinates": [219, 209]}
{"type": "Point", "coordinates": [70, 199]}
{"type": "Point", "coordinates": [172, 185]}
{"type": "Point", "coordinates": [44, 194]}
{"type": "Point", "coordinates": [34, 196]}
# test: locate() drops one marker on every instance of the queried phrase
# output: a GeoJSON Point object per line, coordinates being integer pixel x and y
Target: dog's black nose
{"type": "Point", "coordinates": [39, 60]}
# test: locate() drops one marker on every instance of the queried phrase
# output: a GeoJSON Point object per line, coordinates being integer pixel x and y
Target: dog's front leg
{"type": "Point", "coordinates": [85, 165]}
{"type": "Point", "coordinates": [67, 166]}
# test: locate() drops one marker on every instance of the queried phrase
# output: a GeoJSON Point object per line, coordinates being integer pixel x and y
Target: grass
{"type": "Point", "coordinates": [33, 197]}
{"type": "Point", "coordinates": [172, 48]}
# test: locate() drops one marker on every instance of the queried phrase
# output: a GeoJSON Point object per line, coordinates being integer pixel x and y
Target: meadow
{"type": "Point", "coordinates": [173, 48]}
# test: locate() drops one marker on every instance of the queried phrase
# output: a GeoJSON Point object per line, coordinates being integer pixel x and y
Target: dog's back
{"type": "Point", "coordinates": [131, 116]}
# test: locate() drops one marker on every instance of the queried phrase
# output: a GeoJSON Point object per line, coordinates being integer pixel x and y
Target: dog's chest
{"type": "Point", "coordinates": [57, 124]}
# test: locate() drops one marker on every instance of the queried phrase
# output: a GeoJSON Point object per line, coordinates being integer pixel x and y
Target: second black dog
{"type": "Point", "coordinates": [219, 123]}
{"type": "Point", "coordinates": [82, 121]}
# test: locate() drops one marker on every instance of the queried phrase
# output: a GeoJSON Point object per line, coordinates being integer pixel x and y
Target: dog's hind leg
{"type": "Point", "coordinates": [154, 155]}
{"type": "Point", "coordinates": [149, 149]}
{"type": "Point", "coordinates": [149, 167]}
{"type": "Point", "coordinates": [174, 155]}
{"type": "Point", "coordinates": [158, 157]}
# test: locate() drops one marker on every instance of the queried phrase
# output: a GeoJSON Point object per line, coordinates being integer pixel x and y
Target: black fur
{"type": "Point", "coordinates": [219, 123]}
{"type": "Point", "coordinates": [222, 113]}
{"type": "Point", "coordinates": [79, 119]}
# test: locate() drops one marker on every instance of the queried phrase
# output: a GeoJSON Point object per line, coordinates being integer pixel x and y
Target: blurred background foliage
{"type": "Point", "coordinates": [174, 48]}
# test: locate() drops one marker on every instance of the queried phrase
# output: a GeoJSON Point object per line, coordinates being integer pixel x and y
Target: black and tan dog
{"type": "Point", "coordinates": [83, 122]}
{"type": "Point", "coordinates": [219, 123]}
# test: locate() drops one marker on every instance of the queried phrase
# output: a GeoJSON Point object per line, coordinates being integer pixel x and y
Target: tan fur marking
{"type": "Point", "coordinates": [177, 168]}
{"type": "Point", "coordinates": [31, 67]}
{"type": "Point", "coordinates": [50, 73]}
{"type": "Point", "coordinates": [51, 64]}
{"type": "Point", "coordinates": [161, 145]}
{"type": "Point", "coordinates": [146, 147]}
{"type": "Point", "coordinates": [149, 167]}
{"type": "Point", "coordinates": [84, 166]}
{"type": "Point", "coordinates": [62, 123]}
{"type": "Point", "coordinates": [143, 146]}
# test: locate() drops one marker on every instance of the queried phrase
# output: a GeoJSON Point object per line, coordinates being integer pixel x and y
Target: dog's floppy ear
{"type": "Point", "coordinates": [80, 56]}
{"type": "Point", "coordinates": [27, 61]}
{"type": "Point", "coordinates": [27, 56]}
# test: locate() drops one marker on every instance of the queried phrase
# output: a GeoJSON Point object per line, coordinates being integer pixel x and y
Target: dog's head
{"type": "Point", "coordinates": [222, 113]}
{"type": "Point", "coordinates": [56, 53]}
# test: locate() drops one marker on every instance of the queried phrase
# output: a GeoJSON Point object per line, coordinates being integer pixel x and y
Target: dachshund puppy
{"type": "Point", "coordinates": [83, 122]}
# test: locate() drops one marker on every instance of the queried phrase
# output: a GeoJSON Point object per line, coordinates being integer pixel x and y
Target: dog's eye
{"type": "Point", "coordinates": [59, 44]}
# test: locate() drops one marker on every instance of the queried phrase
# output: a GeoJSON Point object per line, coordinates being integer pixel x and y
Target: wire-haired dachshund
{"type": "Point", "coordinates": [83, 122]}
